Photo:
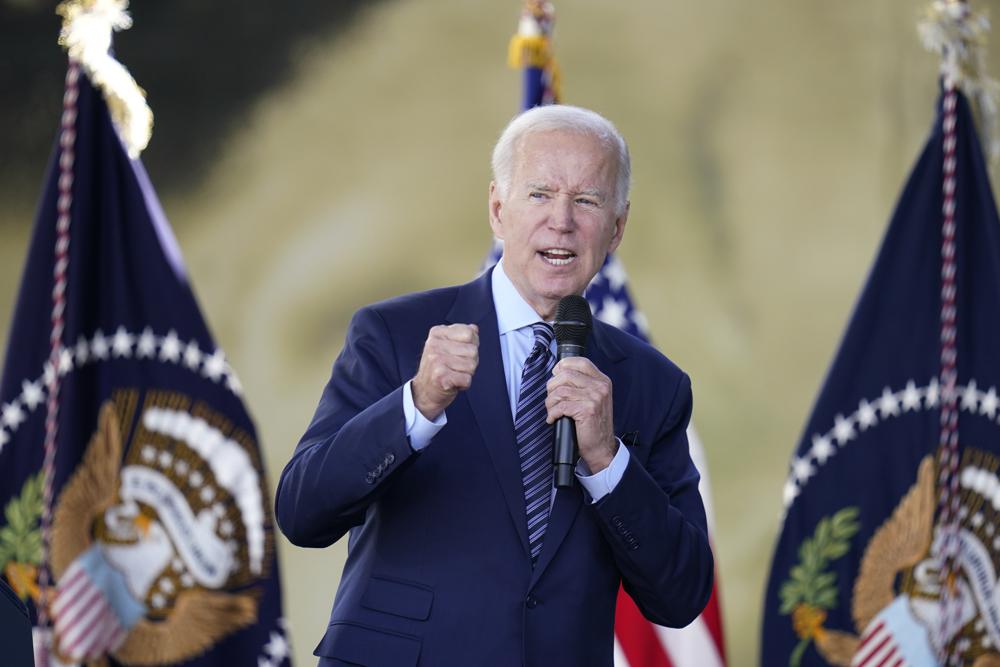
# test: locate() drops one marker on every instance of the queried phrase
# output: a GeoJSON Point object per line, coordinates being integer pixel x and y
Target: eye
{"type": "Point", "coordinates": [587, 201]}
{"type": "Point", "coordinates": [537, 195]}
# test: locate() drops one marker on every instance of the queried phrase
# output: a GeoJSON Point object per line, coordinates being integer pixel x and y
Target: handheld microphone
{"type": "Point", "coordinates": [572, 326]}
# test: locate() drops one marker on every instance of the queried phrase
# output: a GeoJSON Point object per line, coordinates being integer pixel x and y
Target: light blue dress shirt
{"type": "Point", "coordinates": [514, 320]}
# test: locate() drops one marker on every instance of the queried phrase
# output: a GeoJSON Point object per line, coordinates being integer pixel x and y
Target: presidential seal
{"type": "Point", "coordinates": [159, 540]}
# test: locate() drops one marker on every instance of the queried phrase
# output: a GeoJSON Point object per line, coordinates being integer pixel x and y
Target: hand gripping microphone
{"type": "Point", "coordinates": [572, 326]}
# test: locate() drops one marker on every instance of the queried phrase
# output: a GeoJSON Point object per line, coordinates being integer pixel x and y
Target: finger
{"type": "Point", "coordinates": [462, 333]}
{"type": "Point", "coordinates": [572, 378]}
{"type": "Point", "coordinates": [580, 364]}
{"type": "Point", "coordinates": [575, 410]}
{"type": "Point", "coordinates": [455, 348]}
{"type": "Point", "coordinates": [460, 364]}
{"type": "Point", "coordinates": [457, 381]}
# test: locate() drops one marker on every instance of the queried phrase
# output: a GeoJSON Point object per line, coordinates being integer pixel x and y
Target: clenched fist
{"type": "Point", "coordinates": [447, 364]}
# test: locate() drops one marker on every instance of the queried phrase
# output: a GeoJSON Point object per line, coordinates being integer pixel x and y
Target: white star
{"type": "Point", "coordinates": [615, 273]}
{"type": "Point", "coordinates": [887, 404]}
{"type": "Point", "coordinates": [82, 351]}
{"type": "Point", "coordinates": [233, 383]}
{"type": "Point", "coordinates": [148, 453]}
{"type": "Point", "coordinates": [911, 397]}
{"type": "Point", "coordinates": [165, 459]}
{"type": "Point", "coordinates": [277, 648]}
{"type": "Point", "coordinates": [822, 449]}
{"type": "Point", "coordinates": [933, 394]}
{"type": "Point", "coordinates": [158, 600]}
{"type": "Point", "coordinates": [970, 397]}
{"type": "Point", "coordinates": [264, 662]}
{"type": "Point", "coordinates": [32, 394]}
{"type": "Point", "coordinates": [207, 494]}
{"type": "Point", "coordinates": [12, 415]}
{"type": "Point", "coordinates": [843, 430]}
{"type": "Point", "coordinates": [789, 493]}
{"type": "Point", "coordinates": [181, 467]}
{"type": "Point", "coordinates": [866, 415]}
{"type": "Point", "coordinates": [641, 322]}
{"type": "Point", "coordinates": [990, 403]}
{"type": "Point", "coordinates": [48, 374]}
{"type": "Point", "coordinates": [192, 355]}
{"type": "Point", "coordinates": [802, 469]}
{"type": "Point", "coordinates": [226, 528]}
{"type": "Point", "coordinates": [177, 564]}
{"type": "Point", "coordinates": [196, 479]}
{"type": "Point", "coordinates": [170, 349]}
{"type": "Point", "coordinates": [166, 586]}
{"type": "Point", "coordinates": [99, 346]}
{"type": "Point", "coordinates": [65, 361]}
{"type": "Point", "coordinates": [4, 438]}
{"type": "Point", "coordinates": [187, 580]}
{"type": "Point", "coordinates": [147, 344]}
{"type": "Point", "coordinates": [122, 343]}
{"type": "Point", "coordinates": [613, 312]}
{"type": "Point", "coordinates": [215, 365]}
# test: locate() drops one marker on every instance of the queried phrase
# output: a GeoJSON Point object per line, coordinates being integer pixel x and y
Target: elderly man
{"type": "Point", "coordinates": [432, 443]}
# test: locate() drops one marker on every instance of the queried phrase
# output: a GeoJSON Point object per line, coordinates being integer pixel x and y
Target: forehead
{"type": "Point", "coordinates": [573, 158]}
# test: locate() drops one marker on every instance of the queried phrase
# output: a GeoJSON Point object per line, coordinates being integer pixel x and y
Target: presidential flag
{"type": "Point", "coordinates": [890, 545]}
{"type": "Point", "coordinates": [638, 642]}
{"type": "Point", "coordinates": [136, 515]}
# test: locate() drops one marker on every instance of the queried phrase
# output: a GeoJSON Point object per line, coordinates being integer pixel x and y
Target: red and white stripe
{"type": "Point", "coordinates": [639, 643]}
{"type": "Point", "coordinates": [878, 648]}
{"type": "Point", "coordinates": [67, 143]}
{"type": "Point", "coordinates": [86, 625]}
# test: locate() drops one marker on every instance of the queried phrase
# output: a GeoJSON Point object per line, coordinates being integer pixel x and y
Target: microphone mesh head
{"type": "Point", "coordinates": [573, 321]}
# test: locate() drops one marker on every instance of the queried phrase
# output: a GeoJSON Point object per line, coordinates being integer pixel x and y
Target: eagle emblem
{"type": "Point", "coordinates": [157, 546]}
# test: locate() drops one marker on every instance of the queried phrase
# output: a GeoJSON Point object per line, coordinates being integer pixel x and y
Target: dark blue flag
{"type": "Point", "coordinates": [160, 546]}
{"type": "Point", "coordinates": [889, 553]}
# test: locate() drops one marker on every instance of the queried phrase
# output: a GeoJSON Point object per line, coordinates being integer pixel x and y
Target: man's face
{"type": "Point", "coordinates": [558, 220]}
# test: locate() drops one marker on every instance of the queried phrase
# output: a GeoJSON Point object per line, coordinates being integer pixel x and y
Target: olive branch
{"type": "Point", "coordinates": [811, 590]}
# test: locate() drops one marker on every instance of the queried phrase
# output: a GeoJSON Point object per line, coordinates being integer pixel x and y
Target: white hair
{"type": "Point", "coordinates": [562, 118]}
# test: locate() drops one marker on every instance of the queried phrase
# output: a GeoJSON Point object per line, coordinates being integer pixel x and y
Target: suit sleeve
{"type": "Point", "coordinates": [355, 444]}
{"type": "Point", "coordinates": [654, 521]}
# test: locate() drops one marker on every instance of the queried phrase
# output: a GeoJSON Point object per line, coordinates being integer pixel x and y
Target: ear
{"type": "Point", "coordinates": [496, 206]}
{"type": "Point", "coordinates": [619, 229]}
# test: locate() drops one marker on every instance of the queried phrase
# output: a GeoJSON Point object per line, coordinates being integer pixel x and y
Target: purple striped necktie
{"type": "Point", "coordinates": [534, 437]}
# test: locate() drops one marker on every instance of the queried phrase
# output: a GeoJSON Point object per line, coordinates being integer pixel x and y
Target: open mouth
{"type": "Point", "coordinates": [557, 256]}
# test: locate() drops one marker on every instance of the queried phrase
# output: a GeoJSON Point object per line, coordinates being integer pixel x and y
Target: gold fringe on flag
{"type": "Point", "coordinates": [86, 36]}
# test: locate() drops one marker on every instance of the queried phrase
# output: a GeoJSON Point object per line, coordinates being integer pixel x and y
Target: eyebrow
{"type": "Point", "coordinates": [544, 187]}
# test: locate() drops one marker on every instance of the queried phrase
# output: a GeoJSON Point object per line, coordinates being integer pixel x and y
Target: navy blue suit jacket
{"type": "Point", "coordinates": [438, 570]}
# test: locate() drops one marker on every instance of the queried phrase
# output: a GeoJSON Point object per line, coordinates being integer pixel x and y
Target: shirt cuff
{"type": "Point", "coordinates": [420, 429]}
{"type": "Point", "coordinates": [604, 482]}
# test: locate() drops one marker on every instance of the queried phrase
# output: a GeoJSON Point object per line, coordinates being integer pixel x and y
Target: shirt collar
{"type": "Point", "coordinates": [513, 312]}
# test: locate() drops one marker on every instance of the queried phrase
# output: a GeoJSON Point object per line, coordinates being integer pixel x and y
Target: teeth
{"type": "Point", "coordinates": [558, 256]}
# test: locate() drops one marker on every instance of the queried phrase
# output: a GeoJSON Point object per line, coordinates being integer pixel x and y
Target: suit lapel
{"type": "Point", "coordinates": [567, 502]}
{"type": "Point", "coordinates": [488, 396]}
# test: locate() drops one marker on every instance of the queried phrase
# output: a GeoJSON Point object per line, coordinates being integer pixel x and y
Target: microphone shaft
{"type": "Point", "coordinates": [564, 449]}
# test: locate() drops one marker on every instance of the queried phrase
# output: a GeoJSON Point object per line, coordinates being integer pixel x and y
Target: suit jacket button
{"type": "Point", "coordinates": [531, 602]}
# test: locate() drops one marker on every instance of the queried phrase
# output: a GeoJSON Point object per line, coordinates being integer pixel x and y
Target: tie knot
{"type": "Point", "coordinates": [543, 334]}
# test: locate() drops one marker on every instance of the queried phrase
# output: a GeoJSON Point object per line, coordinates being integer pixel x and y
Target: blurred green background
{"type": "Point", "coordinates": [318, 156]}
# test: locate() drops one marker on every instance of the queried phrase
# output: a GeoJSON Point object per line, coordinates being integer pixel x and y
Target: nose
{"type": "Point", "coordinates": [561, 219]}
